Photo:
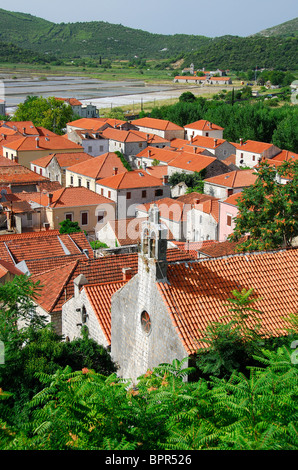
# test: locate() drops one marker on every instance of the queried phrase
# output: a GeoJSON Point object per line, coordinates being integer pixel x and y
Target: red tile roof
{"type": "Point", "coordinates": [158, 124]}
{"type": "Point", "coordinates": [102, 309]}
{"type": "Point", "coordinates": [161, 154]}
{"type": "Point", "coordinates": [197, 291]}
{"type": "Point", "coordinates": [203, 125]}
{"type": "Point", "coordinates": [64, 159]}
{"type": "Point", "coordinates": [191, 161]}
{"type": "Point", "coordinates": [254, 146]}
{"type": "Point", "coordinates": [101, 270]}
{"type": "Point", "coordinates": [126, 136]}
{"type": "Point", "coordinates": [99, 167]}
{"type": "Point", "coordinates": [71, 197]}
{"type": "Point", "coordinates": [234, 179]}
{"type": "Point", "coordinates": [16, 174]}
{"type": "Point", "coordinates": [207, 142]}
{"type": "Point", "coordinates": [130, 180]}
{"type": "Point", "coordinates": [44, 143]}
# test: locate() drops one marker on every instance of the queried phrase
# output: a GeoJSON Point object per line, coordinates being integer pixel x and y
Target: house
{"type": "Point", "coordinates": [131, 142]}
{"type": "Point", "coordinates": [152, 155]}
{"type": "Point", "coordinates": [92, 142]}
{"type": "Point", "coordinates": [88, 172]}
{"type": "Point", "coordinates": [159, 314]}
{"type": "Point", "coordinates": [220, 148]}
{"type": "Point", "coordinates": [77, 204]}
{"type": "Point", "coordinates": [54, 166]}
{"type": "Point", "coordinates": [228, 211]}
{"type": "Point", "coordinates": [18, 177]}
{"type": "Point", "coordinates": [173, 214]}
{"type": "Point", "coordinates": [189, 163]}
{"type": "Point", "coordinates": [202, 219]}
{"type": "Point", "coordinates": [163, 128]}
{"type": "Point", "coordinates": [251, 152]}
{"type": "Point", "coordinates": [24, 150]}
{"type": "Point", "coordinates": [226, 184]}
{"type": "Point", "coordinates": [121, 232]}
{"type": "Point", "coordinates": [204, 128]}
{"type": "Point", "coordinates": [129, 189]}
{"type": "Point", "coordinates": [82, 110]}
{"type": "Point", "coordinates": [205, 80]}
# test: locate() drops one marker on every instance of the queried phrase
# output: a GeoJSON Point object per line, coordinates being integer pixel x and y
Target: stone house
{"type": "Point", "coordinates": [220, 148]}
{"type": "Point", "coordinates": [225, 185]}
{"type": "Point", "coordinates": [130, 189]}
{"type": "Point", "coordinates": [77, 204]}
{"type": "Point", "coordinates": [202, 220]}
{"type": "Point", "coordinates": [88, 172]}
{"type": "Point", "coordinates": [159, 314]}
{"type": "Point", "coordinates": [24, 150]}
{"type": "Point", "coordinates": [228, 211]}
{"type": "Point", "coordinates": [86, 110]}
{"type": "Point", "coordinates": [190, 162]}
{"type": "Point", "coordinates": [92, 142]}
{"type": "Point", "coordinates": [54, 166]}
{"type": "Point", "coordinates": [165, 129]}
{"type": "Point", "coordinates": [204, 128]}
{"type": "Point", "coordinates": [250, 152]}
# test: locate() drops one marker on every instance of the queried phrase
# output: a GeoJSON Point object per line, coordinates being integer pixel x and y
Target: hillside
{"type": "Point", "coordinates": [287, 29]}
{"type": "Point", "coordinates": [101, 40]}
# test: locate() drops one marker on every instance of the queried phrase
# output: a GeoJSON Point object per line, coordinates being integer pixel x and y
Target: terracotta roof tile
{"type": "Point", "coordinates": [192, 162]}
{"type": "Point", "coordinates": [203, 125]}
{"type": "Point", "coordinates": [130, 180]}
{"type": "Point", "coordinates": [198, 291]}
{"type": "Point", "coordinates": [43, 143]}
{"type": "Point", "coordinates": [165, 155]}
{"type": "Point", "coordinates": [158, 124]}
{"type": "Point", "coordinates": [72, 196]}
{"type": "Point", "coordinates": [99, 167]}
{"type": "Point", "coordinates": [16, 174]}
{"type": "Point", "coordinates": [234, 179]}
{"type": "Point", "coordinates": [63, 159]}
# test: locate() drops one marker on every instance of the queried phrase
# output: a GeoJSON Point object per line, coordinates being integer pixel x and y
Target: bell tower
{"type": "Point", "coordinates": [154, 244]}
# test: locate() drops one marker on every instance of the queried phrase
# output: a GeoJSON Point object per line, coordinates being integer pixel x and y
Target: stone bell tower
{"type": "Point", "coordinates": [153, 253]}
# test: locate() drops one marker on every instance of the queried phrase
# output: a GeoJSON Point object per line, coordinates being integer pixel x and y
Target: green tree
{"type": "Point", "coordinates": [268, 209]}
{"type": "Point", "coordinates": [51, 113]}
{"type": "Point", "coordinates": [68, 226]}
{"type": "Point", "coordinates": [194, 181]}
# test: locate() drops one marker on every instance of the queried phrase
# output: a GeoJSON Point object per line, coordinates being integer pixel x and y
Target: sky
{"type": "Point", "coordinates": [211, 18]}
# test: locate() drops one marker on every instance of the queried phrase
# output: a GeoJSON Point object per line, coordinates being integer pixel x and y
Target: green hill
{"type": "Point", "coordinates": [287, 29]}
{"type": "Point", "coordinates": [98, 39]}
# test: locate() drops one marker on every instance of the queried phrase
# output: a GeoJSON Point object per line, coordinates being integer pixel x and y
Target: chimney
{"type": "Point", "coordinates": [165, 179]}
{"type": "Point", "coordinates": [37, 142]}
{"type": "Point", "coordinates": [79, 282]}
{"type": "Point", "coordinates": [115, 169]}
{"type": "Point", "coordinates": [215, 142]}
{"type": "Point", "coordinates": [127, 273]}
{"type": "Point", "coordinates": [50, 198]}
{"type": "Point", "coordinates": [16, 159]}
{"type": "Point", "coordinates": [149, 153]}
{"type": "Point", "coordinates": [241, 141]}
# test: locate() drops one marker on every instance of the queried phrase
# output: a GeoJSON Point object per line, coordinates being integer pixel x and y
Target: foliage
{"type": "Point", "coordinates": [95, 244]}
{"type": "Point", "coordinates": [194, 181]}
{"type": "Point", "coordinates": [231, 342]}
{"type": "Point", "coordinates": [51, 113]}
{"type": "Point", "coordinates": [68, 226]}
{"type": "Point", "coordinates": [123, 160]}
{"type": "Point", "coordinates": [268, 209]}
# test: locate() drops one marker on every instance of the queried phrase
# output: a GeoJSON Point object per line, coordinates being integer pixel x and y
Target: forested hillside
{"type": "Point", "coordinates": [98, 39]}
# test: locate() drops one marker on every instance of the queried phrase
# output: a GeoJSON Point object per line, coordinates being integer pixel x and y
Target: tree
{"type": "Point", "coordinates": [49, 112]}
{"type": "Point", "coordinates": [268, 209]}
{"type": "Point", "coordinates": [68, 226]}
{"type": "Point", "coordinates": [187, 97]}
{"type": "Point", "coordinates": [194, 181]}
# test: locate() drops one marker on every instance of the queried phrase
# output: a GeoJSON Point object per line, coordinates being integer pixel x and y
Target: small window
{"type": "Point", "coordinates": [101, 191]}
{"type": "Point", "coordinates": [84, 315]}
{"type": "Point", "coordinates": [253, 158]}
{"type": "Point", "coordinates": [144, 193]}
{"type": "Point", "coordinates": [109, 194]}
{"type": "Point", "coordinates": [35, 169]}
{"type": "Point", "coordinates": [71, 180]}
{"type": "Point", "coordinates": [158, 192]}
{"type": "Point", "coordinates": [79, 182]}
{"type": "Point", "coordinates": [88, 185]}
{"type": "Point", "coordinates": [68, 216]}
{"type": "Point", "coordinates": [89, 149]}
{"type": "Point", "coordinates": [145, 322]}
{"type": "Point", "coordinates": [229, 220]}
{"type": "Point", "coordinates": [40, 171]}
{"type": "Point", "coordinates": [128, 195]}
{"type": "Point", "coordinates": [84, 218]}
{"type": "Point", "coordinates": [100, 217]}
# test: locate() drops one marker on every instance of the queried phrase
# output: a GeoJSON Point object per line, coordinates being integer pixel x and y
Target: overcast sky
{"type": "Point", "coordinates": [200, 17]}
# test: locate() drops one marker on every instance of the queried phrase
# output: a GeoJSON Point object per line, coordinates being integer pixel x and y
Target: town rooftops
{"type": "Point", "coordinates": [191, 161]}
{"type": "Point", "coordinates": [16, 174]}
{"type": "Point", "coordinates": [207, 142]}
{"type": "Point", "coordinates": [253, 146]}
{"type": "Point", "coordinates": [130, 180]}
{"type": "Point", "coordinates": [127, 136]}
{"type": "Point", "coordinates": [234, 179]}
{"type": "Point", "coordinates": [164, 155]}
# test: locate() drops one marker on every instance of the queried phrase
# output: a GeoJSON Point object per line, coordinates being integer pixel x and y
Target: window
{"type": "Point", "coordinates": [109, 194]}
{"type": "Point", "coordinates": [68, 216]}
{"type": "Point", "coordinates": [84, 314]}
{"type": "Point", "coordinates": [145, 322]}
{"type": "Point", "coordinates": [101, 191]}
{"type": "Point", "coordinates": [40, 171]}
{"type": "Point", "coordinates": [84, 218]}
{"type": "Point", "coordinates": [79, 182]}
{"type": "Point", "coordinates": [35, 169]}
{"type": "Point", "coordinates": [89, 149]}
{"type": "Point", "coordinates": [158, 192]}
{"type": "Point", "coordinates": [88, 184]}
{"type": "Point", "coordinates": [101, 148]}
{"type": "Point", "coordinates": [71, 180]}
{"type": "Point", "coordinates": [128, 195]}
{"type": "Point", "coordinates": [144, 193]}
{"type": "Point", "coordinates": [253, 158]}
{"type": "Point", "coordinates": [229, 220]}
{"type": "Point", "coordinates": [100, 217]}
